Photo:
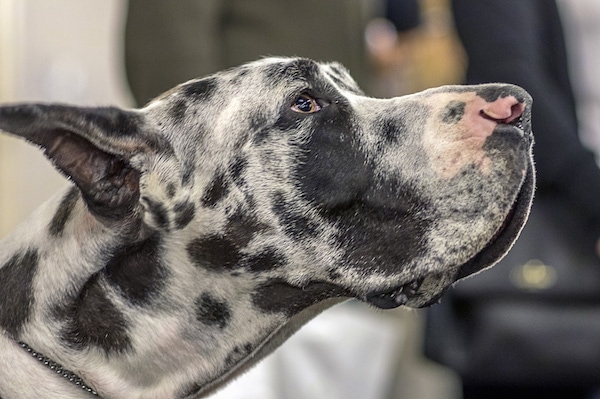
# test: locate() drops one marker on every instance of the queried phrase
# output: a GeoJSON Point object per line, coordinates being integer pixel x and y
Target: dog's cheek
{"type": "Point", "coordinates": [332, 170]}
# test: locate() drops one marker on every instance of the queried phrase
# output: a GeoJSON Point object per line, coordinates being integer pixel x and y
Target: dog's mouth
{"type": "Point", "coordinates": [390, 299]}
{"type": "Point", "coordinates": [416, 294]}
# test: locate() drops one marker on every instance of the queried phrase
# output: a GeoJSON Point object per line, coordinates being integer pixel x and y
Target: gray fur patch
{"type": "Point", "coordinates": [453, 112]}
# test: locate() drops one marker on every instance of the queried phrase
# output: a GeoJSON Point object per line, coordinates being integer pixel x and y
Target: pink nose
{"type": "Point", "coordinates": [503, 110]}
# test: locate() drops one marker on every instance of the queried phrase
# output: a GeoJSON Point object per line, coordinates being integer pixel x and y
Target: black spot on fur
{"type": "Point", "coordinates": [295, 223]}
{"type": "Point", "coordinates": [171, 190]}
{"type": "Point", "coordinates": [257, 122]}
{"type": "Point", "coordinates": [93, 320]}
{"type": "Point", "coordinates": [185, 212]}
{"type": "Point", "coordinates": [267, 259]}
{"type": "Point", "coordinates": [178, 110]}
{"type": "Point", "coordinates": [158, 211]}
{"type": "Point", "coordinates": [274, 72]}
{"type": "Point", "coordinates": [241, 228]}
{"type": "Point", "coordinates": [214, 252]}
{"type": "Point", "coordinates": [217, 190]}
{"type": "Point", "coordinates": [334, 274]}
{"type": "Point", "coordinates": [262, 136]}
{"type": "Point", "coordinates": [454, 112]}
{"type": "Point", "coordinates": [61, 217]}
{"type": "Point", "coordinates": [188, 170]}
{"type": "Point", "coordinates": [393, 130]}
{"type": "Point", "coordinates": [114, 121]}
{"type": "Point", "coordinates": [16, 291]}
{"type": "Point", "coordinates": [237, 168]}
{"type": "Point", "coordinates": [137, 271]}
{"type": "Point", "coordinates": [212, 312]}
{"type": "Point", "coordinates": [277, 296]}
{"type": "Point", "coordinates": [200, 90]}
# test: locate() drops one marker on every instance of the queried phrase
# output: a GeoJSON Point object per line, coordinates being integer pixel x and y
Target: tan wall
{"type": "Point", "coordinates": [53, 50]}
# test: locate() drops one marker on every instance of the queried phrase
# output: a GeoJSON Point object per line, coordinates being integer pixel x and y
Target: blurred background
{"type": "Point", "coordinates": [100, 52]}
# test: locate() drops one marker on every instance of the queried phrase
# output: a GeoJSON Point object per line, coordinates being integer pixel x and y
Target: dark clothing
{"type": "Point", "coordinates": [169, 42]}
{"type": "Point", "coordinates": [522, 42]}
{"type": "Point", "coordinates": [404, 14]}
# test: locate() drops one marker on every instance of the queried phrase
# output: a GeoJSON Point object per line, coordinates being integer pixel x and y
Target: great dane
{"type": "Point", "coordinates": [201, 231]}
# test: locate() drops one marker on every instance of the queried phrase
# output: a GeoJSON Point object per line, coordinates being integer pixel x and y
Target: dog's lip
{"type": "Point", "coordinates": [394, 297]}
{"type": "Point", "coordinates": [502, 240]}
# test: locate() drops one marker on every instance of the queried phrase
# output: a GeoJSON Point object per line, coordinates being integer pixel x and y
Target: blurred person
{"type": "Point", "coordinates": [522, 42]}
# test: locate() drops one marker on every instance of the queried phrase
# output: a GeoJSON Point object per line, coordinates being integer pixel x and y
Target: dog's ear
{"type": "Point", "coordinates": [95, 147]}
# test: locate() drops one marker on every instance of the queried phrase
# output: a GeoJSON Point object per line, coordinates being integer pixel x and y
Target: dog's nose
{"type": "Point", "coordinates": [503, 109]}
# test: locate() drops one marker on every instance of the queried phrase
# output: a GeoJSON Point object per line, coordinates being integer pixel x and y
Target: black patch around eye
{"type": "Point", "coordinates": [16, 291]}
{"type": "Point", "coordinates": [266, 260]}
{"type": "Point", "coordinates": [63, 213]}
{"type": "Point", "coordinates": [158, 211]}
{"type": "Point", "coordinates": [453, 112]}
{"type": "Point", "coordinates": [218, 188]}
{"type": "Point", "coordinates": [212, 312]}
{"type": "Point", "coordinates": [200, 90]}
{"type": "Point", "coordinates": [214, 253]}
{"type": "Point", "coordinates": [137, 271]}
{"type": "Point", "coordinates": [286, 122]}
{"type": "Point", "coordinates": [93, 320]}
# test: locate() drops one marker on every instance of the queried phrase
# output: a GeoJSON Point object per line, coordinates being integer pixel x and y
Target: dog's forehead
{"type": "Point", "coordinates": [296, 72]}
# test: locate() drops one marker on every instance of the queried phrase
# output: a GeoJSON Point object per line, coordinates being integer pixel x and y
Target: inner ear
{"type": "Point", "coordinates": [108, 184]}
{"type": "Point", "coordinates": [92, 146]}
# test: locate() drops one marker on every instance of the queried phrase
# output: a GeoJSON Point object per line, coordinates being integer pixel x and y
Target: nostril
{"type": "Point", "coordinates": [503, 110]}
{"type": "Point", "coordinates": [515, 112]}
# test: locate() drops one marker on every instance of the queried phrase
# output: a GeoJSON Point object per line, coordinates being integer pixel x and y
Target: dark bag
{"type": "Point", "coordinates": [534, 318]}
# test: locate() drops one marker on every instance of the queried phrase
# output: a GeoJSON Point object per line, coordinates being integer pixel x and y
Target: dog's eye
{"type": "Point", "coordinates": [305, 104]}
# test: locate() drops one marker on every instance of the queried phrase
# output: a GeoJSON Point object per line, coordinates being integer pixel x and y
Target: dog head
{"type": "Point", "coordinates": [278, 186]}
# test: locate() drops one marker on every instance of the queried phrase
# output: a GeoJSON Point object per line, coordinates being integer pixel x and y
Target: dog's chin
{"type": "Point", "coordinates": [426, 290]}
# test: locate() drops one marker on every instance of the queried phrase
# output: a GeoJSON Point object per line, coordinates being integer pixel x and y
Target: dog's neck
{"type": "Point", "coordinates": [87, 315]}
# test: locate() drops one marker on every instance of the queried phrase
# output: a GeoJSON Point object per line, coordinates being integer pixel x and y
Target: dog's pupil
{"type": "Point", "coordinates": [304, 104]}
